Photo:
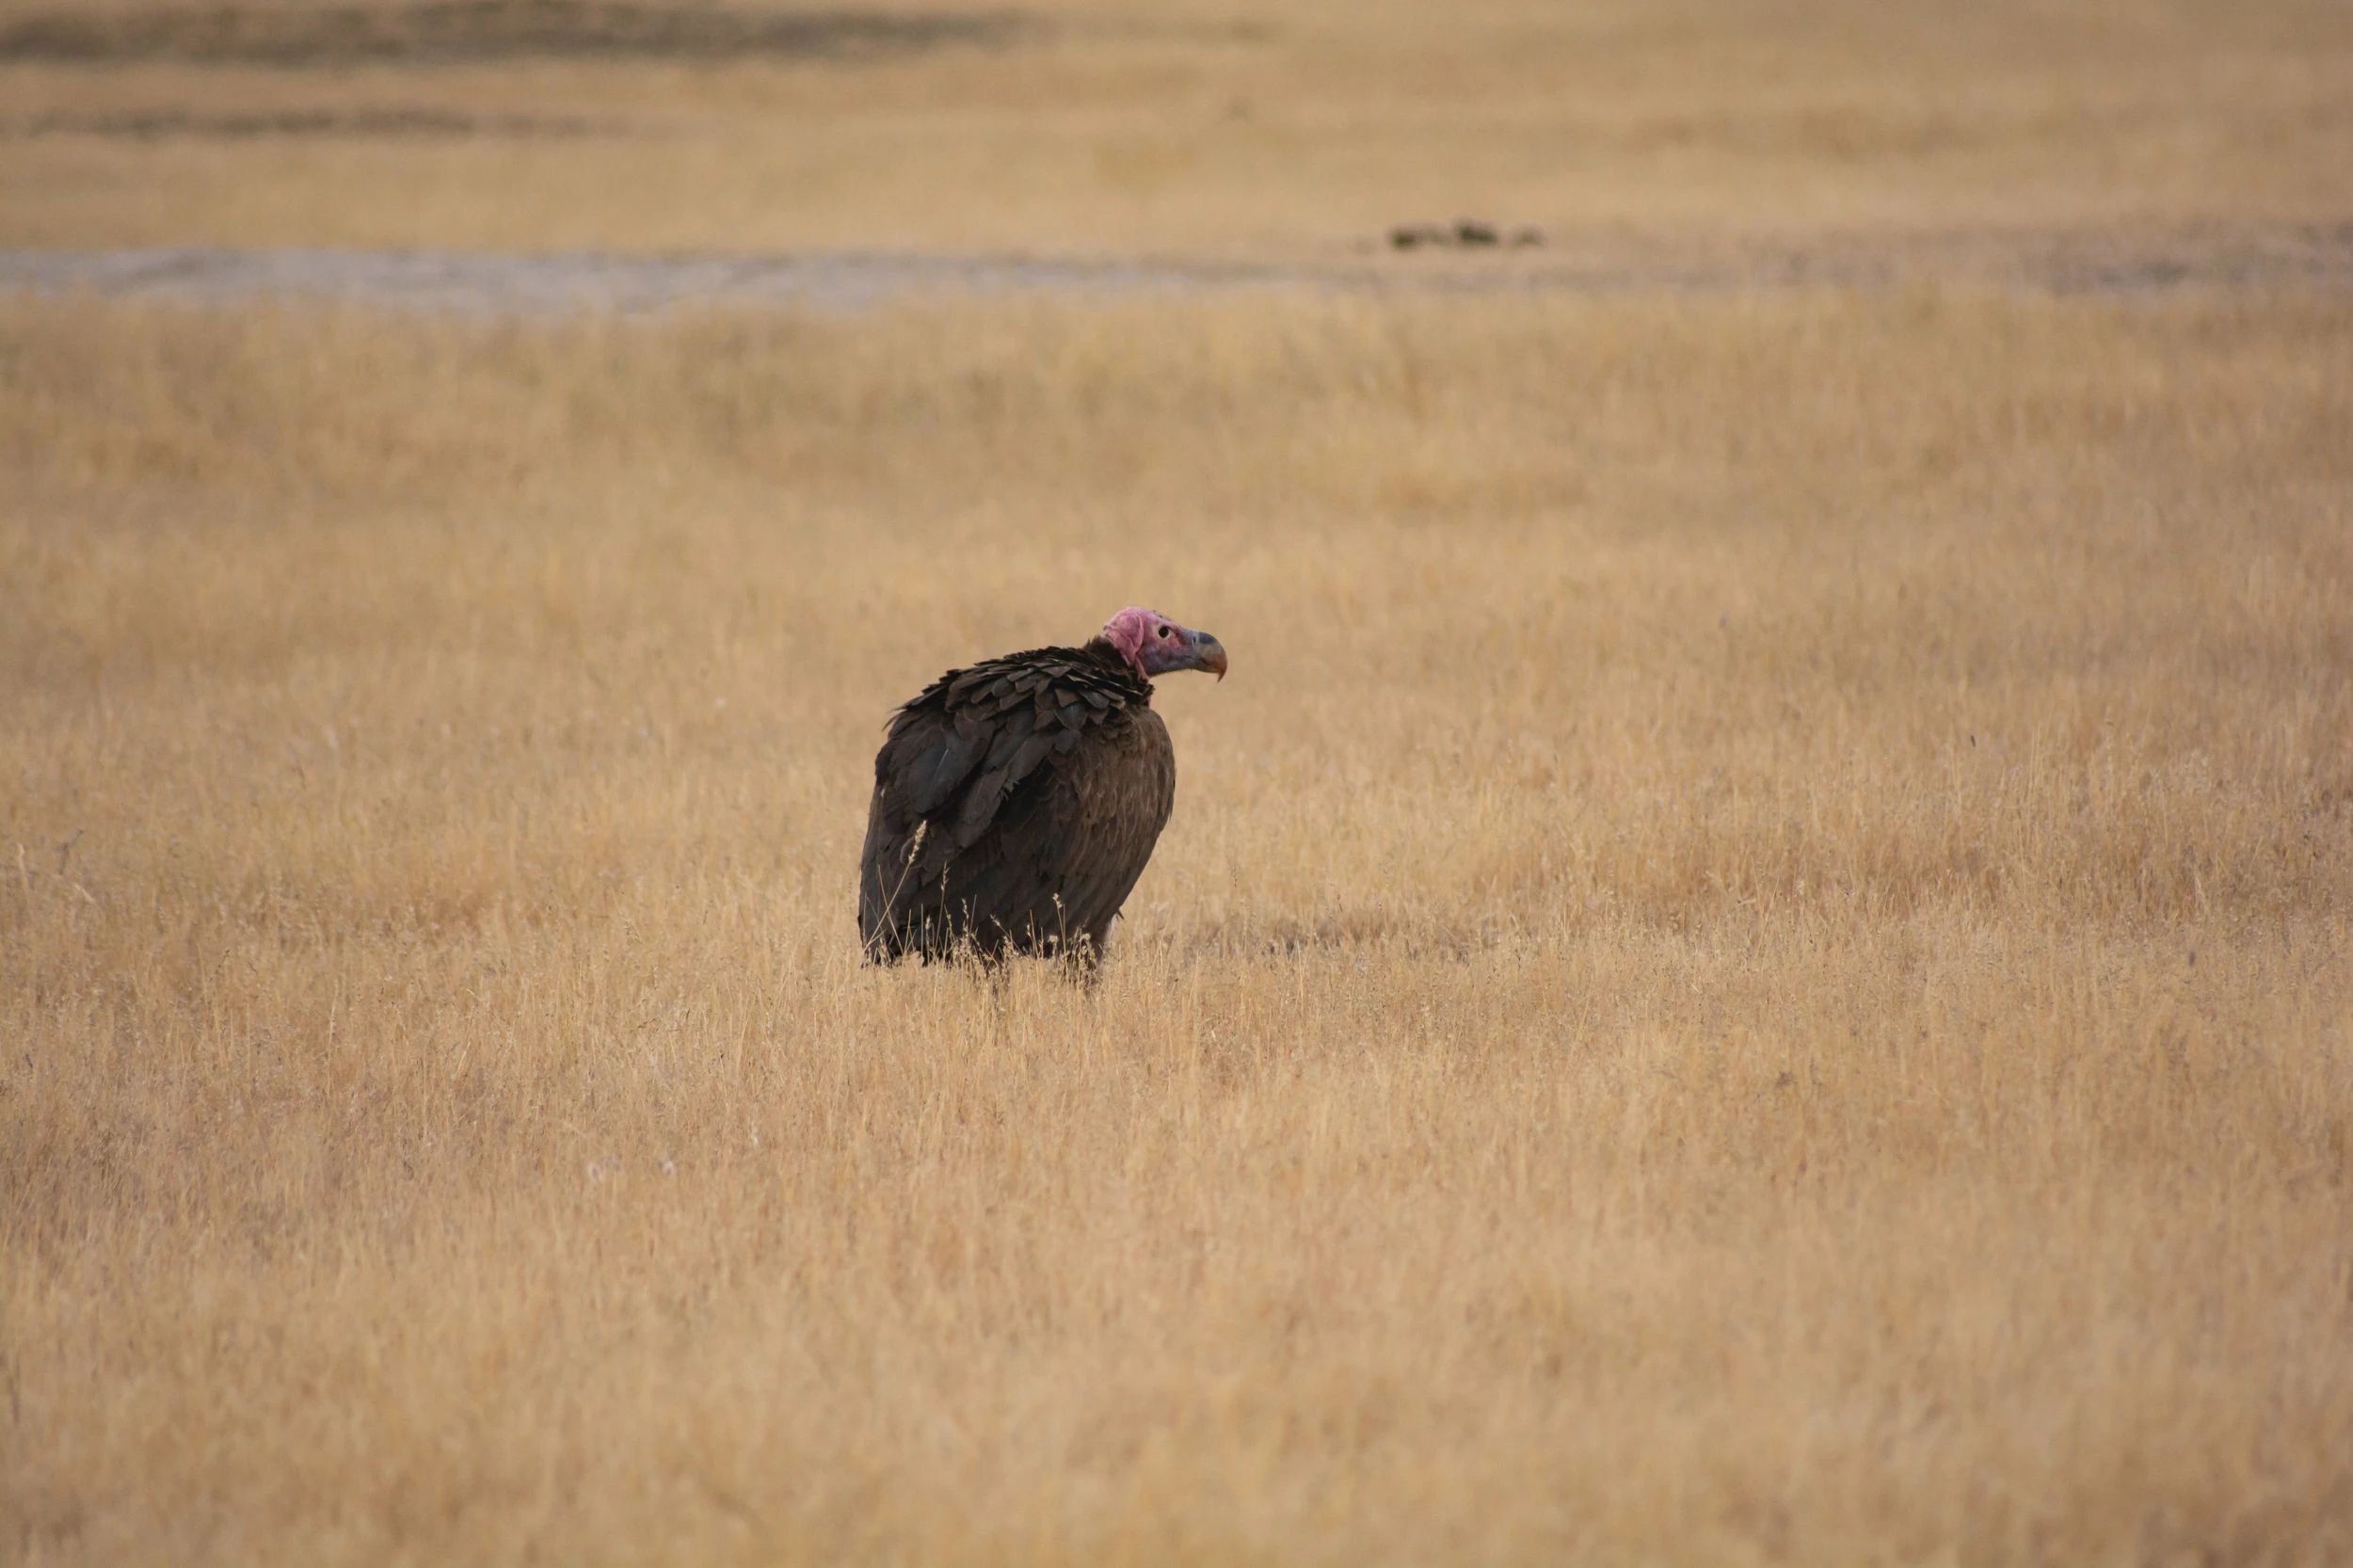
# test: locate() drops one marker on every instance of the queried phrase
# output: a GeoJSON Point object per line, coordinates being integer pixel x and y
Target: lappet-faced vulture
{"type": "Point", "coordinates": [1016, 802]}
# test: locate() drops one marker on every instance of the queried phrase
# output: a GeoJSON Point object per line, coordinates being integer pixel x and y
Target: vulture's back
{"type": "Point", "coordinates": [1015, 804]}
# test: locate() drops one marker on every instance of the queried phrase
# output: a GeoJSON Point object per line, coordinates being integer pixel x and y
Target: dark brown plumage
{"type": "Point", "coordinates": [1016, 802]}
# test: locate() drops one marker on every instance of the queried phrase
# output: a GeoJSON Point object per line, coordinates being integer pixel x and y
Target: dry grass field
{"type": "Point", "coordinates": [1752, 966]}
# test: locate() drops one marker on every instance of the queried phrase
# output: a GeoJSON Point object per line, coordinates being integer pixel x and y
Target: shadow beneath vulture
{"type": "Point", "coordinates": [1340, 930]}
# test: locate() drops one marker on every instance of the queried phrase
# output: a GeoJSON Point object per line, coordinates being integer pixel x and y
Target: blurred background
{"type": "Point", "coordinates": [1304, 133]}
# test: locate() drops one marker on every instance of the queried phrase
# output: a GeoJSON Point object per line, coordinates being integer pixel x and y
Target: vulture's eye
{"type": "Point", "coordinates": [1165, 633]}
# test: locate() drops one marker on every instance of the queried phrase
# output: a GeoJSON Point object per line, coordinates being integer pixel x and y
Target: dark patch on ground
{"type": "Point", "coordinates": [1465, 233]}
{"type": "Point", "coordinates": [158, 124]}
{"type": "Point", "coordinates": [450, 31]}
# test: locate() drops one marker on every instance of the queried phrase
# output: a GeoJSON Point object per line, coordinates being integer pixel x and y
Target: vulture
{"type": "Point", "coordinates": [1017, 801]}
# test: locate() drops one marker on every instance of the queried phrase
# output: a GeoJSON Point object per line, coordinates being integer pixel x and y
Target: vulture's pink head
{"type": "Point", "coordinates": [1153, 645]}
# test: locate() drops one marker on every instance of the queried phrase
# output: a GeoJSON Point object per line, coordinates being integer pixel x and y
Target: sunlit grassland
{"type": "Point", "coordinates": [1752, 965]}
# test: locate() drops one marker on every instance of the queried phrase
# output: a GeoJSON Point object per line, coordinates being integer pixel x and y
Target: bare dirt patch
{"type": "Point", "coordinates": [2028, 263]}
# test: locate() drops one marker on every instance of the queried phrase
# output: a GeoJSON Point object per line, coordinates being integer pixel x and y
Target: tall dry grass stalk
{"type": "Point", "coordinates": [1754, 966]}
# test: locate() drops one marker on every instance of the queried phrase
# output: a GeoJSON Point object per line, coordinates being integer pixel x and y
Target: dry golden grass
{"type": "Point", "coordinates": [1753, 968]}
{"type": "Point", "coordinates": [1208, 129]}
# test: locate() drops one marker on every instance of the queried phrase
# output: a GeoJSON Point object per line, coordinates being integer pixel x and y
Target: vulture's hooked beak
{"type": "Point", "coordinates": [1209, 653]}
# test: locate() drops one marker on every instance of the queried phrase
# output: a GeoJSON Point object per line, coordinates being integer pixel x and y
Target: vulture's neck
{"type": "Point", "coordinates": [1101, 649]}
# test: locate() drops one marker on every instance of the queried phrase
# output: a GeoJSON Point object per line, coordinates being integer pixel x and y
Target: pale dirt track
{"type": "Point", "coordinates": [2293, 259]}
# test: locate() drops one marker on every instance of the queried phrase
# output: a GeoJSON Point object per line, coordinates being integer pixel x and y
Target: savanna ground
{"type": "Point", "coordinates": [1753, 965]}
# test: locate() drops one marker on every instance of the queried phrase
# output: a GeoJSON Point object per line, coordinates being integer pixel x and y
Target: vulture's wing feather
{"type": "Point", "coordinates": [1062, 858]}
{"type": "Point", "coordinates": [949, 762]}
{"type": "Point", "coordinates": [1115, 799]}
